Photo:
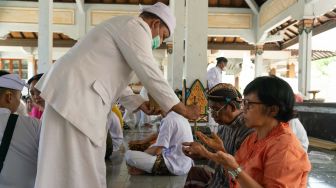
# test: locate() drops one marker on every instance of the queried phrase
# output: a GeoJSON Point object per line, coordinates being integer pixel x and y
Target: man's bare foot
{"type": "Point", "coordinates": [134, 171]}
{"type": "Point", "coordinates": [148, 126]}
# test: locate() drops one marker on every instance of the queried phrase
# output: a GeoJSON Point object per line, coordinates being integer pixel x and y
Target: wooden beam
{"type": "Point", "coordinates": [33, 43]}
{"type": "Point", "coordinates": [324, 27]}
{"type": "Point", "coordinates": [322, 143]}
{"type": "Point", "coordinates": [290, 30]}
{"type": "Point", "coordinates": [289, 24]}
{"type": "Point", "coordinates": [239, 46]}
{"type": "Point", "coordinates": [290, 42]}
{"type": "Point", "coordinates": [229, 46]}
{"type": "Point", "coordinates": [317, 30]}
{"type": "Point", "coordinates": [70, 43]}
{"type": "Point", "coordinates": [288, 35]}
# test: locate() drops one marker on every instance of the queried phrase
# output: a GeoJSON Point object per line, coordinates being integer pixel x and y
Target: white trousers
{"type": "Point", "coordinates": [67, 158]}
{"type": "Point", "coordinates": [140, 160]}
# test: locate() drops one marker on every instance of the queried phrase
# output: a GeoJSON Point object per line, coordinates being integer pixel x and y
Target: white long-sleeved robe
{"type": "Point", "coordinates": [79, 91]}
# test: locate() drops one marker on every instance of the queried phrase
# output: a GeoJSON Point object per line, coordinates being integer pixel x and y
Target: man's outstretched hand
{"type": "Point", "coordinates": [145, 107]}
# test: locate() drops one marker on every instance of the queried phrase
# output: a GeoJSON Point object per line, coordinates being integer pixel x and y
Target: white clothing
{"type": "Point", "coordinates": [20, 164]}
{"type": "Point", "coordinates": [66, 163]}
{"type": "Point", "coordinates": [115, 131]}
{"type": "Point", "coordinates": [140, 160]}
{"type": "Point", "coordinates": [214, 76]}
{"type": "Point", "coordinates": [92, 75]}
{"type": "Point", "coordinates": [82, 86]}
{"type": "Point", "coordinates": [12, 81]}
{"type": "Point", "coordinates": [163, 12]}
{"type": "Point", "coordinates": [300, 132]}
{"type": "Point", "coordinates": [22, 109]}
{"type": "Point", "coordinates": [174, 130]}
{"type": "Point", "coordinates": [132, 118]}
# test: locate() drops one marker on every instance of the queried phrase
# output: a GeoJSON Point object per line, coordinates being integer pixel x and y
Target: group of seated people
{"type": "Point", "coordinates": [260, 143]}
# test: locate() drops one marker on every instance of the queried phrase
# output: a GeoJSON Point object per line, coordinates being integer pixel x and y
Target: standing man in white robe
{"type": "Point", "coordinates": [214, 74]}
{"type": "Point", "coordinates": [81, 87]}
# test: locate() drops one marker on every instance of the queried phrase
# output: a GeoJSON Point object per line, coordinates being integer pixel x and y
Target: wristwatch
{"type": "Point", "coordinates": [234, 173]}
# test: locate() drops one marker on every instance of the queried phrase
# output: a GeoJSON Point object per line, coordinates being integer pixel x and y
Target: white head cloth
{"type": "Point", "coordinates": [163, 12]}
{"type": "Point", "coordinates": [12, 81]}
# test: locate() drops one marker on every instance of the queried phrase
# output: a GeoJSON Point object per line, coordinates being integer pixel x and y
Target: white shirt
{"type": "Point", "coordinates": [300, 132]}
{"type": "Point", "coordinates": [115, 131]}
{"type": "Point", "coordinates": [22, 109]}
{"type": "Point", "coordinates": [214, 76]}
{"type": "Point", "coordinates": [85, 82]}
{"type": "Point", "coordinates": [174, 130]}
{"type": "Point", "coordinates": [20, 165]}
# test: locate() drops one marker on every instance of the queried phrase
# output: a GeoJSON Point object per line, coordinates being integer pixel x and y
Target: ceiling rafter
{"type": "Point", "coordinates": [292, 31]}
{"type": "Point", "coordinates": [316, 30]}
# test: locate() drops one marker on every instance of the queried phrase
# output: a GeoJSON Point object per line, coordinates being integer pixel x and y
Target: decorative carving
{"type": "Point", "coordinates": [197, 93]}
{"type": "Point", "coordinates": [306, 25]}
{"type": "Point", "coordinates": [259, 49]}
{"type": "Point", "coordinates": [169, 48]}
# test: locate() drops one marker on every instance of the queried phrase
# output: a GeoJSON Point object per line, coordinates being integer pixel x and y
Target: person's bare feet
{"type": "Point", "coordinates": [148, 126]}
{"type": "Point", "coordinates": [134, 171]}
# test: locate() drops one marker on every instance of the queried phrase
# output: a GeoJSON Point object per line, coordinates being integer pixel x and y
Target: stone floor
{"type": "Point", "coordinates": [323, 174]}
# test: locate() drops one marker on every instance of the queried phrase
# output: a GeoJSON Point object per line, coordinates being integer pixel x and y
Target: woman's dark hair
{"type": "Point", "coordinates": [274, 91]}
{"type": "Point", "coordinates": [36, 77]}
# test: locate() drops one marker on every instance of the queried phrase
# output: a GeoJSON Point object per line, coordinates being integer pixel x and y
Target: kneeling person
{"type": "Point", "coordinates": [165, 156]}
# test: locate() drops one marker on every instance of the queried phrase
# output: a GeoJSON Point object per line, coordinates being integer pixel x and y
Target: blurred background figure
{"type": "Point", "coordinates": [38, 101]}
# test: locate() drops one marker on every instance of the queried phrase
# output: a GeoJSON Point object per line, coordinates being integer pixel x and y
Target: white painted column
{"type": "Point", "coordinates": [31, 61]}
{"type": "Point", "coordinates": [196, 41]}
{"type": "Point", "coordinates": [258, 61]}
{"type": "Point", "coordinates": [178, 52]}
{"type": "Point", "coordinates": [80, 19]}
{"type": "Point", "coordinates": [169, 65]}
{"type": "Point", "coordinates": [45, 34]}
{"type": "Point", "coordinates": [305, 45]}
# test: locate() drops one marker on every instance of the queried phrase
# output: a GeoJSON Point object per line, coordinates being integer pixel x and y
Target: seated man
{"type": "Point", "coordinates": [165, 156]}
{"type": "Point", "coordinates": [20, 156]}
{"type": "Point", "coordinates": [224, 102]}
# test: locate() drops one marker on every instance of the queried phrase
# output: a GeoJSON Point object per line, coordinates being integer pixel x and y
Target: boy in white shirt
{"type": "Point", "coordinates": [165, 156]}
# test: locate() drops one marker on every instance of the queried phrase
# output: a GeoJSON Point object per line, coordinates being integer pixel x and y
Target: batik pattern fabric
{"type": "Point", "coordinates": [160, 168]}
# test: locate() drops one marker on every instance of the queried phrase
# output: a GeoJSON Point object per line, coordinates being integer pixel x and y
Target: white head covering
{"type": "Point", "coordinates": [12, 81]}
{"type": "Point", "coordinates": [163, 12]}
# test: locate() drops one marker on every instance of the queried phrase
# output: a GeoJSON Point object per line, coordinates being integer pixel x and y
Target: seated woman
{"type": "Point", "coordinates": [165, 156]}
{"type": "Point", "coordinates": [271, 156]}
{"type": "Point", "coordinates": [38, 101]}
